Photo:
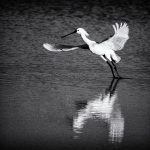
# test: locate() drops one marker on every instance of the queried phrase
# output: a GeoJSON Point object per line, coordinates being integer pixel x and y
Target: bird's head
{"type": "Point", "coordinates": [78, 31]}
{"type": "Point", "coordinates": [82, 31]}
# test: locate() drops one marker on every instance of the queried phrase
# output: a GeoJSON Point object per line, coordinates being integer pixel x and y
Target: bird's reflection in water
{"type": "Point", "coordinates": [104, 107]}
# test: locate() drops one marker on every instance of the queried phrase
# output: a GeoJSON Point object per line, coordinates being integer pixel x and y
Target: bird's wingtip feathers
{"type": "Point", "coordinates": [120, 36]}
{"type": "Point", "coordinates": [51, 47]}
{"type": "Point", "coordinates": [47, 46]}
{"type": "Point", "coordinates": [122, 29]}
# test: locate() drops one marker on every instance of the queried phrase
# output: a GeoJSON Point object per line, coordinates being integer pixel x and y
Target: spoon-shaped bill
{"type": "Point", "coordinates": [69, 34]}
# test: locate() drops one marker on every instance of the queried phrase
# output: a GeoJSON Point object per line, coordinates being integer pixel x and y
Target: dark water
{"type": "Point", "coordinates": [69, 100]}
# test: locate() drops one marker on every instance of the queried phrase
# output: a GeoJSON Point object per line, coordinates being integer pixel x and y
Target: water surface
{"type": "Point", "coordinates": [68, 99]}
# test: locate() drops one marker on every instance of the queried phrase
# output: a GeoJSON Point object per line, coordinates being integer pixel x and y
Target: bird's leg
{"type": "Point", "coordinates": [111, 69]}
{"type": "Point", "coordinates": [109, 63]}
{"type": "Point", "coordinates": [115, 69]}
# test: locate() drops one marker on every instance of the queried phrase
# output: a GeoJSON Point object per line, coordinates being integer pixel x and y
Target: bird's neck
{"type": "Point", "coordinates": [86, 40]}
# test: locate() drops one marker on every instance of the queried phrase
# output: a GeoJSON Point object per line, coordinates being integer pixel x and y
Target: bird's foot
{"type": "Point", "coordinates": [118, 77]}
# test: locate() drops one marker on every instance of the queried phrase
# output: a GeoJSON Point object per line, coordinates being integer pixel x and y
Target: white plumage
{"type": "Point", "coordinates": [60, 47]}
{"type": "Point", "coordinates": [120, 37]}
{"type": "Point", "coordinates": [106, 49]}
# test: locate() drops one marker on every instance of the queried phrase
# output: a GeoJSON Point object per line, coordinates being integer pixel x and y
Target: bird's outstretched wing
{"type": "Point", "coordinates": [118, 40]}
{"type": "Point", "coordinates": [60, 47]}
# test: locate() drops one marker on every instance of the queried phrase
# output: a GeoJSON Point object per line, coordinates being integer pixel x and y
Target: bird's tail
{"type": "Point", "coordinates": [116, 58]}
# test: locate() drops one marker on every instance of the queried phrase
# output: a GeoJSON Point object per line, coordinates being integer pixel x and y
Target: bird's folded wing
{"type": "Point", "coordinates": [118, 40]}
{"type": "Point", "coordinates": [60, 47]}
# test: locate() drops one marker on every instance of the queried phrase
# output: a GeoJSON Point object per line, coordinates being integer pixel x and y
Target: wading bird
{"type": "Point", "coordinates": [106, 49]}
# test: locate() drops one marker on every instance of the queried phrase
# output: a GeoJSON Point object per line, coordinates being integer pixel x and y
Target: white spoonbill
{"type": "Point", "coordinates": [106, 49]}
